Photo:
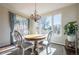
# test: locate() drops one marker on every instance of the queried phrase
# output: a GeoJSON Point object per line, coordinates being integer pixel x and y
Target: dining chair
{"type": "Point", "coordinates": [47, 43]}
{"type": "Point", "coordinates": [20, 42]}
{"type": "Point", "coordinates": [49, 37]}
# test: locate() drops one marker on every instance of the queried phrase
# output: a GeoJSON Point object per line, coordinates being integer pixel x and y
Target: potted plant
{"type": "Point", "coordinates": [70, 30]}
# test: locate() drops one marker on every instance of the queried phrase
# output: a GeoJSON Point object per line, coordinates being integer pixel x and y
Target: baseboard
{"type": "Point", "coordinates": [6, 45]}
{"type": "Point", "coordinates": [57, 43]}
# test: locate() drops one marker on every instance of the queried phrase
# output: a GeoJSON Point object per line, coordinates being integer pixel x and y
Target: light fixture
{"type": "Point", "coordinates": [35, 16]}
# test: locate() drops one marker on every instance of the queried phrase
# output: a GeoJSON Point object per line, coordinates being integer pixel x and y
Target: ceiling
{"type": "Point", "coordinates": [28, 8]}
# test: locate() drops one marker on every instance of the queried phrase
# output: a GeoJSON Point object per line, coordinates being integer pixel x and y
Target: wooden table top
{"type": "Point", "coordinates": [35, 37]}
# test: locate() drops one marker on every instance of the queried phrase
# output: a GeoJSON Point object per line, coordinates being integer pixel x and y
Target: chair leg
{"type": "Point", "coordinates": [23, 52]}
{"type": "Point", "coordinates": [48, 50]}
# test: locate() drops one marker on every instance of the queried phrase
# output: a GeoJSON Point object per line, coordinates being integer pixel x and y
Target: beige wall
{"type": "Point", "coordinates": [78, 12]}
{"type": "Point", "coordinates": [4, 27]}
{"type": "Point", "coordinates": [78, 21]}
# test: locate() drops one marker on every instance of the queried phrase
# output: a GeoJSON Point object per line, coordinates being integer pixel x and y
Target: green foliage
{"type": "Point", "coordinates": [71, 28]}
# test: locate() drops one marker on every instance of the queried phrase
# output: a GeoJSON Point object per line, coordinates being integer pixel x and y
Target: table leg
{"type": "Point", "coordinates": [35, 46]}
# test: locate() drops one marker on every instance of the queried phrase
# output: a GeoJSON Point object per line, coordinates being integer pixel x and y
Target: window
{"type": "Point", "coordinates": [57, 24]}
{"type": "Point", "coordinates": [21, 25]}
{"type": "Point", "coordinates": [45, 24]}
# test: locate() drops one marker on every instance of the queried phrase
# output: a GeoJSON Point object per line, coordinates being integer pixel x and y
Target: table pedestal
{"type": "Point", "coordinates": [35, 38]}
{"type": "Point", "coordinates": [34, 52]}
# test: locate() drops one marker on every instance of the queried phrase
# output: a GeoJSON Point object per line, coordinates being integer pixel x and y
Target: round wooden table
{"type": "Point", "coordinates": [35, 38]}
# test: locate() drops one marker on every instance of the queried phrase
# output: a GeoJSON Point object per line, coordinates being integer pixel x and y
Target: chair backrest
{"type": "Point", "coordinates": [49, 36]}
{"type": "Point", "coordinates": [18, 38]}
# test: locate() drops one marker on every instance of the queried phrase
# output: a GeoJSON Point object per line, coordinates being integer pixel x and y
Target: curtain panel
{"type": "Point", "coordinates": [12, 18]}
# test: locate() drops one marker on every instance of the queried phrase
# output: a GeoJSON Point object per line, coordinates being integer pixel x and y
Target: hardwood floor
{"type": "Point", "coordinates": [60, 50]}
{"type": "Point", "coordinates": [4, 49]}
{"type": "Point", "coordinates": [12, 50]}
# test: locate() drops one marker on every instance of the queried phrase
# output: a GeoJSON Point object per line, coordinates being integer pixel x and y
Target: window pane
{"type": "Point", "coordinates": [21, 25]}
{"type": "Point", "coordinates": [57, 19]}
{"type": "Point", "coordinates": [45, 24]}
{"type": "Point", "coordinates": [57, 24]}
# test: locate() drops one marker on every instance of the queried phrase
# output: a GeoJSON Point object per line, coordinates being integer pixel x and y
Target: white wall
{"type": "Point", "coordinates": [4, 27]}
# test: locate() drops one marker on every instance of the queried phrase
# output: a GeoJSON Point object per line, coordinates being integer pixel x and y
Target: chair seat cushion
{"type": "Point", "coordinates": [26, 44]}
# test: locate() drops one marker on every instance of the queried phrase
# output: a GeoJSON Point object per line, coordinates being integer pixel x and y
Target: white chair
{"type": "Point", "coordinates": [20, 42]}
{"type": "Point", "coordinates": [48, 49]}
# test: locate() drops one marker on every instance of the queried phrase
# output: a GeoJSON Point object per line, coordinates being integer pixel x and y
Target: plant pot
{"type": "Point", "coordinates": [71, 38]}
